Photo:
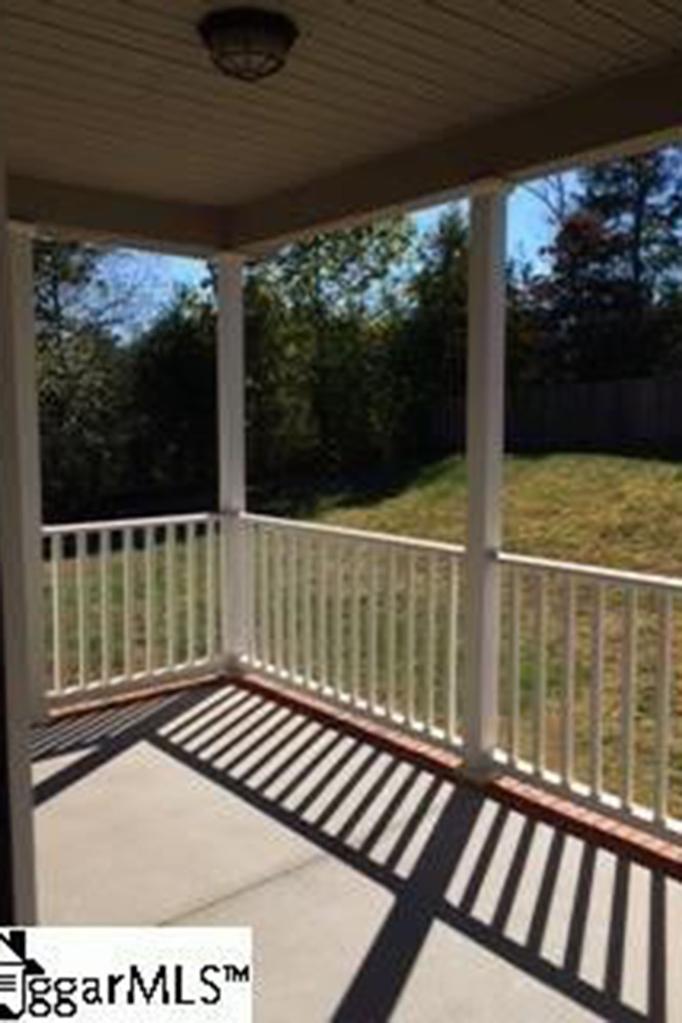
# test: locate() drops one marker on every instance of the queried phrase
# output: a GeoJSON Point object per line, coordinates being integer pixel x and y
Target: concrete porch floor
{"type": "Point", "coordinates": [377, 890]}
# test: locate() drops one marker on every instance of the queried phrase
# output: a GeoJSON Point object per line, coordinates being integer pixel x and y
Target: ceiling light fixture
{"type": "Point", "coordinates": [248, 43]}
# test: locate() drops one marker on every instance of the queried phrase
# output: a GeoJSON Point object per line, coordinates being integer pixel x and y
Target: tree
{"type": "Point", "coordinates": [431, 353]}
{"type": "Point", "coordinates": [282, 433]}
{"type": "Point", "coordinates": [639, 202]}
{"type": "Point", "coordinates": [63, 271]}
{"type": "Point", "coordinates": [85, 425]}
{"type": "Point", "coordinates": [614, 264]}
{"type": "Point", "coordinates": [85, 287]}
{"type": "Point", "coordinates": [331, 299]}
{"type": "Point", "coordinates": [82, 379]}
{"type": "Point", "coordinates": [173, 396]}
{"type": "Point", "coordinates": [577, 306]}
{"type": "Point", "coordinates": [348, 273]}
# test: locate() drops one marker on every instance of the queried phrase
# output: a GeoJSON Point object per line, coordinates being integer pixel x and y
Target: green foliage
{"type": "Point", "coordinates": [281, 426]}
{"type": "Point", "coordinates": [85, 419]}
{"type": "Point", "coordinates": [174, 405]}
{"type": "Point", "coordinates": [342, 274]}
{"type": "Point", "coordinates": [430, 357]}
{"type": "Point", "coordinates": [603, 309]}
{"type": "Point", "coordinates": [639, 202]}
{"type": "Point", "coordinates": [355, 346]}
{"type": "Point", "coordinates": [83, 380]}
{"type": "Point", "coordinates": [322, 319]}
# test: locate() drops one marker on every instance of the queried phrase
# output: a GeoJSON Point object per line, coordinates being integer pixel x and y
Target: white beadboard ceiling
{"type": "Point", "coordinates": [119, 95]}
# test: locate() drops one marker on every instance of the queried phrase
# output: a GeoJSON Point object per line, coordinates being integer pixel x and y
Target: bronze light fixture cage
{"type": "Point", "coordinates": [248, 43]}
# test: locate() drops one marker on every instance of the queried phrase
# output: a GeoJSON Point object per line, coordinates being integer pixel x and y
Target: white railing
{"type": "Point", "coordinates": [367, 619]}
{"type": "Point", "coordinates": [130, 602]}
{"type": "Point", "coordinates": [588, 691]}
{"type": "Point", "coordinates": [587, 685]}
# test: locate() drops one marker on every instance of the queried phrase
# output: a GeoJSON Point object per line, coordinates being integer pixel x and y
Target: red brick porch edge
{"type": "Point", "coordinates": [599, 829]}
{"type": "Point", "coordinates": [596, 828]}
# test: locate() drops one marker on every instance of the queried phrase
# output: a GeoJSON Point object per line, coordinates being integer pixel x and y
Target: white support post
{"type": "Point", "coordinates": [485, 449]}
{"type": "Point", "coordinates": [17, 538]}
{"type": "Point", "coordinates": [23, 317]}
{"type": "Point", "coordinates": [232, 457]}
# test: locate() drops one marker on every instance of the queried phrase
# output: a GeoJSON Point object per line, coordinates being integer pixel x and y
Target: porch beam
{"type": "Point", "coordinates": [90, 214]}
{"type": "Point", "coordinates": [485, 449]}
{"type": "Point", "coordinates": [617, 117]}
{"type": "Point", "coordinates": [17, 538]}
{"type": "Point", "coordinates": [232, 454]}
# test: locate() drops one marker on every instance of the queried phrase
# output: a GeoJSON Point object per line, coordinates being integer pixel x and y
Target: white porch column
{"type": "Point", "coordinates": [232, 454]}
{"type": "Point", "coordinates": [23, 318]}
{"type": "Point", "coordinates": [485, 448]}
{"type": "Point", "coordinates": [17, 539]}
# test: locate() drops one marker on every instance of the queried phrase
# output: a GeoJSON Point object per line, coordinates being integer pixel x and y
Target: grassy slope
{"type": "Point", "coordinates": [621, 512]}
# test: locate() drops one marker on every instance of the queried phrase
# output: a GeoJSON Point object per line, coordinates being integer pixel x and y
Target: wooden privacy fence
{"type": "Point", "coordinates": [638, 414]}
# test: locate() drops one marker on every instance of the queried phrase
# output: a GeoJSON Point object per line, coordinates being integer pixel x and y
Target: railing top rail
{"type": "Point", "coordinates": [138, 523]}
{"type": "Point", "coordinates": [364, 536]}
{"type": "Point", "coordinates": [596, 572]}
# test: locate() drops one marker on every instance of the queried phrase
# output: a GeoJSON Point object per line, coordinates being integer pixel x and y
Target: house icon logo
{"type": "Point", "coordinates": [15, 967]}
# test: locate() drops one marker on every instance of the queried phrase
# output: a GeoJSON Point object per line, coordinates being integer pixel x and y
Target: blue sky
{"type": "Point", "coordinates": [155, 277]}
{"type": "Point", "coordinates": [528, 227]}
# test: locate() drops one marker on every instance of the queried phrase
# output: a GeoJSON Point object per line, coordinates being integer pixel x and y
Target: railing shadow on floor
{"type": "Point", "coordinates": [308, 775]}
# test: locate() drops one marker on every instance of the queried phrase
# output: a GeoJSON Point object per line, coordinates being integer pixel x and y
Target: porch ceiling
{"type": "Point", "coordinates": [382, 103]}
